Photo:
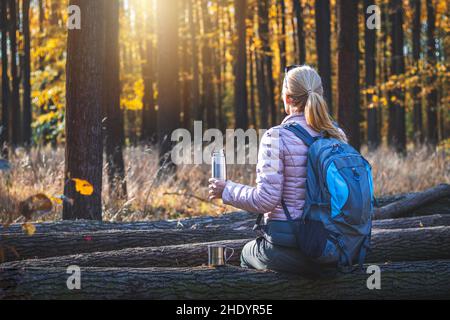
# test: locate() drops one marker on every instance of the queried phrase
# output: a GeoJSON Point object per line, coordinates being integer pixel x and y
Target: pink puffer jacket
{"type": "Point", "coordinates": [281, 174]}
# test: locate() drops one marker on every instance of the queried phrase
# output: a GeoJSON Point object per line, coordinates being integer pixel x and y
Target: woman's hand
{"type": "Point", "coordinates": [216, 188]}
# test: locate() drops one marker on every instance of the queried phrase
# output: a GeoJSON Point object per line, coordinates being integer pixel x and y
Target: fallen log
{"type": "Point", "coordinates": [187, 255]}
{"type": "Point", "coordinates": [413, 280]}
{"type": "Point", "coordinates": [234, 221]}
{"type": "Point", "coordinates": [59, 244]}
{"type": "Point", "coordinates": [387, 245]}
{"type": "Point", "coordinates": [435, 204]}
{"type": "Point", "coordinates": [411, 202]}
{"type": "Point", "coordinates": [413, 222]}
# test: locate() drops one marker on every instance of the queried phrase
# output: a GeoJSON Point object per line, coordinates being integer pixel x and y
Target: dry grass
{"type": "Point", "coordinates": [41, 171]}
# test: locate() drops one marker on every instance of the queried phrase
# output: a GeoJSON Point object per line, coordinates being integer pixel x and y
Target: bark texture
{"type": "Point", "coordinates": [240, 67]}
{"type": "Point", "coordinates": [323, 34]}
{"type": "Point", "coordinates": [348, 70]}
{"type": "Point", "coordinates": [430, 279]}
{"type": "Point", "coordinates": [412, 201]}
{"type": "Point", "coordinates": [232, 221]}
{"type": "Point", "coordinates": [26, 74]}
{"type": "Point", "coordinates": [84, 85]}
{"type": "Point", "coordinates": [387, 245]}
{"type": "Point", "coordinates": [4, 132]}
{"type": "Point", "coordinates": [60, 244]}
{"type": "Point", "coordinates": [113, 115]}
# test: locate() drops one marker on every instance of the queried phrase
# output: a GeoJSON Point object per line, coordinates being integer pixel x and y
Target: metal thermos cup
{"type": "Point", "coordinates": [217, 255]}
{"type": "Point", "coordinates": [219, 165]}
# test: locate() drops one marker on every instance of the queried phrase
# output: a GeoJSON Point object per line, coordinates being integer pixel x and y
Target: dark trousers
{"type": "Point", "coordinates": [261, 254]}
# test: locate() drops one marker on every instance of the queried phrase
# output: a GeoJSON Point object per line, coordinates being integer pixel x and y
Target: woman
{"type": "Point", "coordinates": [281, 174]}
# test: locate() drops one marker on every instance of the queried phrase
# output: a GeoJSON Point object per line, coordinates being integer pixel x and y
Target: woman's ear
{"type": "Point", "coordinates": [288, 100]}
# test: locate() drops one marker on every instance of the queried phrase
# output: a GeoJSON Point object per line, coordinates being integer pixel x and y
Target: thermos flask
{"type": "Point", "coordinates": [218, 165]}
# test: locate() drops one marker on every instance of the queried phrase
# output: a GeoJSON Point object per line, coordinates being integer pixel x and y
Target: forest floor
{"type": "Point", "coordinates": [41, 171]}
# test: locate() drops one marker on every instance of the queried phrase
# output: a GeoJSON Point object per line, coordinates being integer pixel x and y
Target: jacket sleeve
{"type": "Point", "coordinates": [266, 196]}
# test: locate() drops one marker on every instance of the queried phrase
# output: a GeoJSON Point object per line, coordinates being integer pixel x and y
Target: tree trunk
{"type": "Point", "coordinates": [240, 67]}
{"type": "Point", "coordinates": [41, 10]}
{"type": "Point", "coordinates": [300, 32]}
{"type": "Point", "coordinates": [323, 33]}
{"type": "Point", "coordinates": [198, 113]}
{"type": "Point", "coordinates": [262, 91]}
{"type": "Point", "coordinates": [384, 69]}
{"type": "Point", "coordinates": [266, 57]}
{"type": "Point", "coordinates": [193, 29]}
{"type": "Point", "coordinates": [168, 76]}
{"type": "Point", "coordinates": [413, 222]}
{"type": "Point", "coordinates": [4, 132]}
{"type": "Point", "coordinates": [413, 201]}
{"type": "Point", "coordinates": [16, 124]}
{"type": "Point", "coordinates": [41, 18]}
{"type": "Point", "coordinates": [223, 13]}
{"type": "Point", "coordinates": [282, 33]}
{"type": "Point", "coordinates": [114, 122]}
{"type": "Point", "coordinates": [387, 246]}
{"type": "Point", "coordinates": [370, 36]}
{"type": "Point", "coordinates": [149, 113]}
{"type": "Point", "coordinates": [84, 145]}
{"type": "Point", "coordinates": [54, 244]}
{"type": "Point", "coordinates": [235, 220]}
{"type": "Point", "coordinates": [208, 67]}
{"type": "Point", "coordinates": [416, 48]}
{"type": "Point", "coordinates": [242, 221]}
{"type": "Point", "coordinates": [54, 14]}
{"type": "Point", "coordinates": [348, 70]}
{"type": "Point", "coordinates": [186, 73]}
{"type": "Point", "coordinates": [432, 98]}
{"type": "Point", "coordinates": [252, 100]}
{"type": "Point", "coordinates": [27, 111]}
{"type": "Point", "coordinates": [399, 281]}
{"type": "Point", "coordinates": [426, 212]}
{"type": "Point", "coordinates": [397, 119]}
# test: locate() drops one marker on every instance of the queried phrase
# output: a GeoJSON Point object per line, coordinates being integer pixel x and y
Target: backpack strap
{"type": "Point", "coordinates": [300, 132]}
{"type": "Point", "coordinates": [307, 139]}
{"type": "Point", "coordinates": [257, 225]}
{"type": "Point", "coordinates": [363, 252]}
{"type": "Point", "coordinates": [345, 266]}
{"type": "Point", "coordinates": [291, 221]}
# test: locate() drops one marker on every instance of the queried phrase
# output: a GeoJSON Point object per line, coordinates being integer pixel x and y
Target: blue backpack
{"type": "Point", "coordinates": [337, 220]}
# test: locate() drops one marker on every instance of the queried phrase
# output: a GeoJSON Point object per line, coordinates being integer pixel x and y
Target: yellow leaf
{"type": "Point", "coordinates": [29, 228]}
{"type": "Point", "coordinates": [56, 200]}
{"type": "Point", "coordinates": [83, 187]}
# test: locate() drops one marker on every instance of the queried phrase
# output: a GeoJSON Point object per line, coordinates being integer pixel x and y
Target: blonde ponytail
{"type": "Point", "coordinates": [318, 117]}
{"type": "Point", "coordinates": [304, 87]}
